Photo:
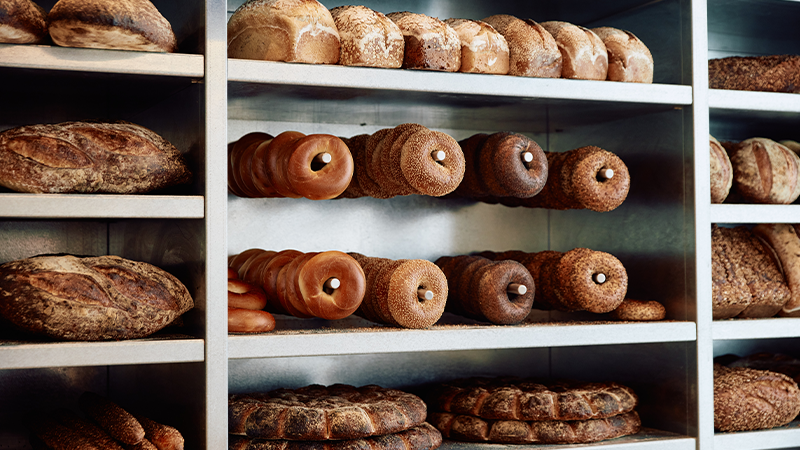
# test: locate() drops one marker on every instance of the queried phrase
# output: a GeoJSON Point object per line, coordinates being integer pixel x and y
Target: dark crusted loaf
{"type": "Point", "coordinates": [422, 437]}
{"type": "Point", "coordinates": [88, 157]}
{"type": "Point", "coordinates": [777, 73]}
{"type": "Point", "coordinates": [748, 399]}
{"type": "Point", "coordinates": [89, 299]}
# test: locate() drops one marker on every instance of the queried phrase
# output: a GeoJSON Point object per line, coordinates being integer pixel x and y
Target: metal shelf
{"type": "Point", "coordinates": [52, 206]}
{"type": "Point", "coordinates": [774, 327]}
{"type": "Point", "coordinates": [647, 439]}
{"type": "Point", "coordinates": [751, 103]}
{"type": "Point", "coordinates": [725, 213]}
{"type": "Point", "coordinates": [329, 342]}
{"type": "Point", "coordinates": [22, 355]}
{"type": "Point", "coordinates": [783, 437]}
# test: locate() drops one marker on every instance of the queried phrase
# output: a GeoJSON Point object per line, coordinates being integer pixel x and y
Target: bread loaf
{"type": "Point", "coordinates": [776, 73]}
{"type": "Point", "coordinates": [422, 437]}
{"type": "Point", "coordinates": [89, 299]}
{"type": "Point", "coordinates": [22, 22]}
{"type": "Point", "coordinates": [783, 239]}
{"type": "Point", "coordinates": [721, 172]}
{"type": "Point", "coordinates": [430, 44]}
{"type": "Point", "coordinates": [367, 38]}
{"type": "Point", "coordinates": [765, 171]}
{"type": "Point", "coordinates": [748, 399]}
{"type": "Point", "coordinates": [483, 49]}
{"type": "Point", "coordinates": [111, 24]}
{"type": "Point", "coordinates": [283, 30]}
{"type": "Point", "coordinates": [628, 58]}
{"type": "Point", "coordinates": [533, 51]}
{"type": "Point", "coordinates": [584, 54]}
{"type": "Point", "coordinates": [112, 418]}
{"type": "Point", "coordinates": [163, 437]}
{"type": "Point", "coordinates": [89, 157]}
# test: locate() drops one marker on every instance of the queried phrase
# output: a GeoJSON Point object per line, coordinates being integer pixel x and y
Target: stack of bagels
{"type": "Point", "coordinates": [305, 31]}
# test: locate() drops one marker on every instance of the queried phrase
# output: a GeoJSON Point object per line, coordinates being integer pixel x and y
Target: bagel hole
{"type": "Point", "coordinates": [316, 166]}
{"type": "Point", "coordinates": [422, 291]}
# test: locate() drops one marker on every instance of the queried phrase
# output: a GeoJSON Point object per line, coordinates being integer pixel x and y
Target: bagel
{"type": "Point", "coordinates": [503, 169]}
{"type": "Point", "coordinates": [342, 301]}
{"type": "Point", "coordinates": [575, 274]}
{"type": "Point", "coordinates": [471, 185]}
{"type": "Point", "coordinates": [638, 310]}
{"type": "Point", "coordinates": [242, 294]}
{"type": "Point", "coordinates": [319, 183]}
{"type": "Point", "coordinates": [369, 183]}
{"type": "Point", "coordinates": [292, 300]}
{"type": "Point", "coordinates": [258, 170]}
{"type": "Point", "coordinates": [405, 306]}
{"type": "Point", "coordinates": [241, 177]}
{"type": "Point", "coordinates": [427, 175]}
{"type": "Point", "coordinates": [372, 268]}
{"type": "Point", "coordinates": [582, 179]}
{"type": "Point", "coordinates": [235, 262]}
{"type": "Point", "coordinates": [490, 285]}
{"type": "Point", "coordinates": [269, 278]}
{"type": "Point", "coordinates": [391, 156]}
{"type": "Point", "coordinates": [277, 153]}
{"type": "Point", "coordinates": [249, 321]}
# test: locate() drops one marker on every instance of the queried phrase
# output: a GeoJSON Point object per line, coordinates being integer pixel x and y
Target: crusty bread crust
{"type": "Point", "coordinates": [628, 58]}
{"type": "Point", "coordinates": [22, 22]}
{"type": "Point", "coordinates": [422, 437]}
{"type": "Point", "coordinates": [585, 55]}
{"type": "Point", "coordinates": [749, 399]}
{"type": "Point", "coordinates": [368, 38]}
{"type": "Point", "coordinates": [533, 51]}
{"type": "Point", "coordinates": [721, 171]}
{"type": "Point", "coordinates": [483, 49]}
{"type": "Point", "coordinates": [775, 73]}
{"type": "Point", "coordinates": [765, 171]}
{"type": "Point", "coordinates": [118, 24]}
{"type": "Point", "coordinates": [430, 43]}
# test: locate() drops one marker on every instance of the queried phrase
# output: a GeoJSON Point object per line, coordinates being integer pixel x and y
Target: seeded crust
{"type": "Point", "coordinates": [367, 37]}
{"type": "Point", "coordinates": [748, 399]}
{"type": "Point", "coordinates": [533, 51]}
{"type": "Point", "coordinates": [530, 399]}
{"type": "Point", "coordinates": [423, 173]}
{"type": "Point", "coordinates": [483, 49]}
{"type": "Point", "coordinates": [575, 273]}
{"type": "Point", "coordinates": [470, 185]}
{"type": "Point", "coordinates": [584, 54]}
{"type": "Point", "coordinates": [422, 437]}
{"type": "Point", "coordinates": [639, 311]}
{"type": "Point", "coordinates": [430, 44]}
{"type": "Point", "coordinates": [783, 240]}
{"type": "Point", "coordinates": [318, 413]}
{"type": "Point", "coordinates": [474, 429]}
{"type": "Point", "coordinates": [774, 362]}
{"type": "Point", "coordinates": [775, 73]}
{"type": "Point", "coordinates": [22, 22]}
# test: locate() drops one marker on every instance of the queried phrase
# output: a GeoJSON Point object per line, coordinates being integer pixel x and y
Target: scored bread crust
{"type": "Point", "coordinates": [749, 399]}
{"type": "Point", "coordinates": [629, 59]}
{"type": "Point", "coordinates": [476, 429]}
{"type": "Point", "coordinates": [430, 44]}
{"type": "Point", "coordinates": [533, 51]}
{"type": "Point", "coordinates": [316, 412]}
{"type": "Point", "coordinates": [721, 171]}
{"type": "Point", "coordinates": [118, 24]}
{"type": "Point", "coordinates": [510, 398]}
{"type": "Point", "coordinates": [422, 437]}
{"type": "Point", "coordinates": [483, 49]}
{"type": "Point", "coordinates": [367, 38]}
{"type": "Point", "coordinates": [283, 30]}
{"type": "Point", "coordinates": [22, 22]}
{"type": "Point", "coordinates": [93, 298]}
{"type": "Point", "coordinates": [584, 54]}
{"type": "Point", "coordinates": [765, 171]}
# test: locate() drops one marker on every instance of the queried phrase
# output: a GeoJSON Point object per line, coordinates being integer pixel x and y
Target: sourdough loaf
{"type": "Point", "coordinates": [89, 299]}
{"type": "Point", "coordinates": [749, 399]}
{"type": "Point", "coordinates": [628, 58]}
{"type": "Point", "coordinates": [765, 171]}
{"type": "Point", "coordinates": [584, 54]}
{"type": "Point", "coordinates": [283, 30]}
{"type": "Point", "coordinates": [483, 49]}
{"type": "Point", "coordinates": [776, 73]}
{"type": "Point", "coordinates": [533, 51]}
{"type": "Point", "coordinates": [721, 171]}
{"type": "Point", "coordinates": [367, 38]}
{"type": "Point", "coordinates": [88, 157]}
{"type": "Point", "coordinates": [22, 22]}
{"type": "Point", "coordinates": [111, 24]}
{"type": "Point", "coordinates": [430, 43]}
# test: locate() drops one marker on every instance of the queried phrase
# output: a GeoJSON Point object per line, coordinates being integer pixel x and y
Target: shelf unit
{"type": "Point", "coordinates": [200, 101]}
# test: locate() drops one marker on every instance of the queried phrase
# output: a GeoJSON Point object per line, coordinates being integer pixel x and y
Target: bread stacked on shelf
{"type": "Point", "coordinates": [335, 417]}
{"type": "Point", "coordinates": [368, 38]}
{"type": "Point", "coordinates": [773, 73]}
{"type": "Point", "coordinates": [430, 43]}
{"type": "Point", "coordinates": [584, 55]}
{"type": "Point", "coordinates": [483, 49]}
{"type": "Point", "coordinates": [509, 410]}
{"type": "Point", "coordinates": [721, 171]}
{"type": "Point", "coordinates": [22, 22]}
{"type": "Point", "coordinates": [89, 298]}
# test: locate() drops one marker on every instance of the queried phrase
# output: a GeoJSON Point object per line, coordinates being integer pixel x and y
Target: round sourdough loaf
{"type": "Point", "coordinates": [483, 49]}
{"type": "Point", "coordinates": [628, 58]}
{"type": "Point", "coordinates": [533, 51]}
{"type": "Point", "coordinates": [430, 43]}
{"type": "Point", "coordinates": [111, 24]}
{"type": "Point", "coordinates": [721, 171]}
{"type": "Point", "coordinates": [585, 55]}
{"type": "Point", "coordinates": [749, 399]}
{"type": "Point", "coordinates": [367, 38]}
{"type": "Point", "coordinates": [22, 22]}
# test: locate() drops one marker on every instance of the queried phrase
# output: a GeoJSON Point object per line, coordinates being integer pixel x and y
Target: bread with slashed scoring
{"type": "Point", "coordinates": [749, 399]}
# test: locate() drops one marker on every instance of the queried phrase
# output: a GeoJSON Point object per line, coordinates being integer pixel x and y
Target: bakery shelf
{"type": "Point", "coordinates": [730, 213]}
{"type": "Point", "coordinates": [107, 61]}
{"type": "Point", "coordinates": [21, 355]}
{"type": "Point", "coordinates": [753, 103]}
{"type": "Point", "coordinates": [330, 342]}
{"type": "Point", "coordinates": [647, 439]}
{"type": "Point", "coordinates": [773, 327]}
{"type": "Point", "coordinates": [58, 206]}
{"type": "Point", "coordinates": [787, 436]}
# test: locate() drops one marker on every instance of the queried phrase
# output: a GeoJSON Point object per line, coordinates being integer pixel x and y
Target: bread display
{"type": "Point", "coordinates": [483, 49]}
{"type": "Point", "coordinates": [746, 280]}
{"type": "Point", "coordinates": [629, 59]}
{"type": "Point", "coordinates": [422, 437]}
{"type": "Point", "coordinates": [22, 22]}
{"type": "Point", "coordinates": [500, 292]}
{"type": "Point", "coordinates": [320, 413]}
{"type": "Point", "coordinates": [89, 157]}
{"type": "Point", "coordinates": [291, 164]}
{"type": "Point", "coordinates": [367, 38]}
{"type": "Point", "coordinates": [283, 30]}
{"type": "Point", "coordinates": [513, 410]}
{"type": "Point", "coordinates": [639, 310]}
{"type": "Point", "coordinates": [430, 44]}
{"type": "Point", "coordinates": [408, 293]}
{"type": "Point", "coordinates": [774, 73]}
{"type": "Point", "coordinates": [584, 54]}
{"type": "Point", "coordinates": [329, 285]}
{"type": "Point", "coordinates": [721, 171]}
{"type": "Point", "coordinates": [111, 24]}
{"type": "Point", "coordinates": [404, 160]}
{"type": "Point", "coordinates": [765, 171]}
{"type": "Point", "coordinates": [749, 399]}
{"type": "Point", "coordinates": [533, 51]}
{"type": "Point", "coordinates": [784, 241]}
{"type": "Point", "coordinates": [89, 299]}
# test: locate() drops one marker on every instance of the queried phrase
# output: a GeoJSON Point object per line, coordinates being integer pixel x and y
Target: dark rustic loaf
{"type": "Point", "coordinates": [422, 437]}
{"type": "Point", "coordinates": [721, 171]}
{"type": "Point", "coordinates": [524, 399]}
{"type": "Point", "coordinates": [88, 157]}
{"type": "Point", "coordinates": [112, 418]}
{"type": "Point", "coordinates": [765, 171]}
{"type": "Point", "coordinates": [89, 299]}
{"type": "Point", "coordinates": [749, 399]}
{"type": "Point", "coordinates": [776, 73]}
{"type": "Point", "coordinates": [111, 24]}
{"type": "Point", "coordinates": [476, 429]}
{"type": "Point", "coordinates": [316, 413]}
{"type": "Point", "coordinates": [22, 22]}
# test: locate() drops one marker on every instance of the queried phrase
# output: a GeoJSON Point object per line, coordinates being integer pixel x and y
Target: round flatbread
{"type": "Point", "coordinates": [422, 437]}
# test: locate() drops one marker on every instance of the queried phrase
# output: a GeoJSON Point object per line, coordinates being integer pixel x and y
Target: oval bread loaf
{"type": "Point", "coordinates": [22, 22]}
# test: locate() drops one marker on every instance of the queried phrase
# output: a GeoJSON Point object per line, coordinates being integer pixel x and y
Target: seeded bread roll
{"type": "Point", "coordinates": [367, 38]}
{"type": "Point", "coordinates": [283, 30]}
{"type": "Point", "coordinates": [765, 171]}
{"type": "Point", "coordinates": [483, 49]}
{"type": "Point", "coordinates": [584, 53]}
{"type": "Point", "coordinates": [721, 172]}
{"type": "Point", "coordinates": [748, 399]}
{"type": "Point", "coordinates": [533, 51]}
{"type": "Point", "coordinates": [111, 24]}
{"type": "Point", "coordinates": [776, 73]}
{"type": "Point", "coordinates": [22, 22]}
{"type": "Point", "coordinates": [628, 58]}
{"type": "Point", "coordinates": [430, 43]}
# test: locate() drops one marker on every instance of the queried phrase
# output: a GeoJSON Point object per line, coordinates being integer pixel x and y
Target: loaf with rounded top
{"type": "Point", "coordinates": [783, 239]}
{"type": "Point", "coordinates": [367, 37]}
{"type": "Point", "coordinates": [749, 399]}
{"type": "Point", "coordinates": [533, 51]}
{"type": "Point", "coordinates": [283, 30]}
{"type": "Point", "coordinates": [584, 54]}
{"type": "Point", "coordinates": [765, 171]}
{"type": "Point", "coordinates": [629, 59]}
{"type": "Point", "coordinates": [483, 49]}
{"type": "Point", "coordinates": [22, 22]}
{"type": "Point", "coordinates": [89, 299]}
{"type": "Point", "coordinates": [430, 44]}
{"type": "Point", "coordinates": [317, 413]}
{"type": "Point", "coordinates": [721, 171]}
{"type": "Point", "coordinates": [89, 157]}
{"type": "Point", "coordinates": [118, 24]}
